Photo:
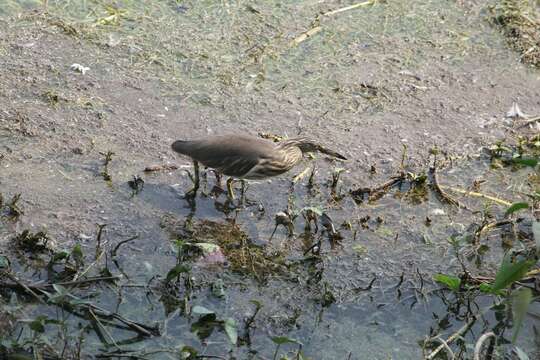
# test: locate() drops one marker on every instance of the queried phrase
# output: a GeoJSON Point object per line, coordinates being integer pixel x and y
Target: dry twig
{"type": "Point", "coordinates": [438, 189]}
{"type": "Point", "coordinates": [529, 122]}
{"type": "Point", "coordinates": [477, 194]}
{"type": "Point", "coordinates": [453, 337]}
{"type": "Point", "coordinates": [480, 342]}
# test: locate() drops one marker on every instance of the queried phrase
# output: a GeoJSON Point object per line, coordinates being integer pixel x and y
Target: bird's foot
{"type": "Point", "coordinates": [217, 191]}
{"type": "Point", "coordinates": [191, 193]}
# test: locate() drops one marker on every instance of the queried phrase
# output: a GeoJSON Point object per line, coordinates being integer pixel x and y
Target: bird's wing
{"type": "Point", "coordinates": [231, 155]}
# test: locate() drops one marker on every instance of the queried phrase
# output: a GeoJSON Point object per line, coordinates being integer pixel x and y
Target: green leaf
{"type": "Point", "coordinates": [218, 288]}
{"type": "Point", "coordinates": [188, 353]}
{"type": "Point", "coordinates": [520, 303]}
{"type": "Point", "coordinates": [62, 255]}
{"type": "Point", "coordinates": [38, 325]}
{"type": "Point", "coordinates": [486, 288]}
{"type": "Point", "coordinates": [80, 302]}
{"type": "Point", "coordinates": [516, 207]}
{"type": "Point", "coordinates": [61, 293]}
{"type": "Point", "coordinates": [4, 262]}
{"type": "Point", "coordinates": [532, 162]}
{"type": "Point", "coordinates": [61, 290]}
{"type": "Point", "coordinates": [522, 355]}
{"type": "Point", "coordinates": [510, 272]}
{"type": "Point", "coordinates": [280, 340]}
{"type": "Point", "coordinates": [77, 254]}
{"type": "Point", "coordinates": [176, 271]}
{"type": "Point", "coordinates": [201, 310]}
{"type": "Point", "coordinates": [205, 325]}
{"type": "Point", "coordinates": [231, 330]}
{"type": "Point", "coordinates": [450, 282]}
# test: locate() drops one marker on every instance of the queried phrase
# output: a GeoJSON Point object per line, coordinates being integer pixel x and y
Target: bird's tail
{"type": "Point", "coordinates": [180, 146]}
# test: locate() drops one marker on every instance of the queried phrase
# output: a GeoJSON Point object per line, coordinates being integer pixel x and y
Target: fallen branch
{"type": "Point", "coordinates": [22, 285]}
{"type": "Point", "coordinates": [76, 283]}
{"type": "Point", "coordinates": [141, 329]}
{"type": "Point", "coordinates": [41, 286]}
{"type": "Point", "coordinates": [142, 354]}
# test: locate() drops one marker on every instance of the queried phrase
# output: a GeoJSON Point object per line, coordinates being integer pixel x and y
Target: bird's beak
{"type": "Point", "coordinates": [331, 153]}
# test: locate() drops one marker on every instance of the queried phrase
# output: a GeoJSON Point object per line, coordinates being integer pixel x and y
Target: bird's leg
{"type": "Point", "coordinates": [243, 191]}
{"type": "Point", "coordinates": [196, 181]}
{"type": "Point", "coordinates": [204, 176]}
{"type": "Point", "coordinates": [218, 178]}
{"type": "Point", "coordinates": [243, 199]}
{"type": "Point", "coordinates": [230, 192]}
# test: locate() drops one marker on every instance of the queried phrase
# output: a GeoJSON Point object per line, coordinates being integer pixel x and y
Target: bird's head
{"type": "Point", "coordinates": [307, 145]}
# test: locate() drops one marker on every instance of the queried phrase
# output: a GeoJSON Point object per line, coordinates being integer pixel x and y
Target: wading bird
{"type": "Point", "coordinates": [246, 157]}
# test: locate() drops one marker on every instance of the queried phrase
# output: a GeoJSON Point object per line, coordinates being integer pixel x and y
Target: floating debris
{"type": "Point", "coordinates": [79, 68]}
{"type": "Point", "coordinates": [164, 167]}
{"type": "Point", "coordinates": [515, 112]}
{"type": "Point", "coordinates": [283, 218]}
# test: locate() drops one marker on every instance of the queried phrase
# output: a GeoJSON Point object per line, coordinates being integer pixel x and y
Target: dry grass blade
{"type": "Point", "coordinates": [477, 194]}
{"type": "Point", "coordinates": [315, 24]}
{"type": "Point", "coordinates": [305, 35]}
{"type": "Point", "coordinates": [351, 7]}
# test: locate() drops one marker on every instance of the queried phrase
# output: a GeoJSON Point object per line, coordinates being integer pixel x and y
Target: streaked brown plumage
{"type": "Point", "coordinates": [247, 157]}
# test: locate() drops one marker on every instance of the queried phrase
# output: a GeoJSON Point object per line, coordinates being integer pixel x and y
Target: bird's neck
{"type": "Point", "coordinates": [290, 153]}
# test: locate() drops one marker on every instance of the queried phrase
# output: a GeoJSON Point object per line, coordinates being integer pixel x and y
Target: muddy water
{"type": "Point", "coordinates": [327, 303]}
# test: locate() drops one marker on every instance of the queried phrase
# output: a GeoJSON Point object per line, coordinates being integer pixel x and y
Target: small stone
{"type": "Point", "coordinates": [79, 68]}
